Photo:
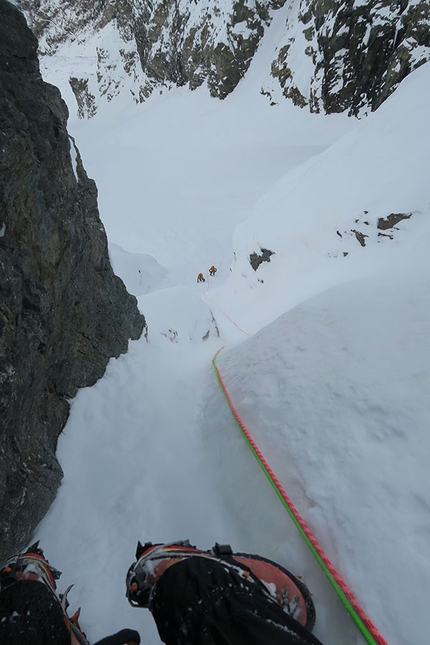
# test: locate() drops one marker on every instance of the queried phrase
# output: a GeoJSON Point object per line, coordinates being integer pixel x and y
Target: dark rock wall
{"type": "Point", "coordinates": [360, 51]}
{"type": "Point", "coordinates": [63, 313]}
{"type": "Point", "coordinates": [177, 47]}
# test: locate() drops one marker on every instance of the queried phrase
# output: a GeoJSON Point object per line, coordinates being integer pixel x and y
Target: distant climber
{"type": "Point", "coordinates": [201, 278]}
{"type": "Point", "coordinates": [31, 611]}
{"type": "Point", "coordinates": [212, 270]}
{"type": "Point", "coordinates": [219, 598]}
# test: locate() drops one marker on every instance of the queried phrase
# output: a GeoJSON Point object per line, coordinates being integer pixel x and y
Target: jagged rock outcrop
{"type": "Point", "coordinates": [184, 44]}
{"type": "Point", "coordinates": [334, 55]}
{"type": "Point", "coordinates": [63, 313]}
{"type": "Point", "coordinates": [357, 52]}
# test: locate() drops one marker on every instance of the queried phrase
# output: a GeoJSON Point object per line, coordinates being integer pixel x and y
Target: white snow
{"type": "Point", "coordinates": [140, 272]}
{"type": "Point", "coordinates": [74, 158]}
{"type": "Point", "coordinates": [327, 356]}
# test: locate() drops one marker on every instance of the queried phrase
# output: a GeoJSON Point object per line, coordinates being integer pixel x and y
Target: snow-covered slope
{"type": "Point", "coordinates": [360, 208]}
{"type": "Point", "coordinates": [336, 394]}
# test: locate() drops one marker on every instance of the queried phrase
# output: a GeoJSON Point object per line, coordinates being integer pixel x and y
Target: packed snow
{"type": "Point", "coordinates": [327, 351]}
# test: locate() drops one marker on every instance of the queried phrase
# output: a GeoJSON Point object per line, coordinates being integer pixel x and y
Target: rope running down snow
{"type": "Point", "coordinates": [364, 624]}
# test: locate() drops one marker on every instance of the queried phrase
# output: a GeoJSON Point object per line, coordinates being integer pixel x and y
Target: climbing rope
{"type": "Point", "coordinates": [364, 624]}
{"type": "Point", "coordinates": [228, 317]}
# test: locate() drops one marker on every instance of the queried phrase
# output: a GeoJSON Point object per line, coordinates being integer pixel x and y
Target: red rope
{"type": "Point", "coordinates": [366, 626]}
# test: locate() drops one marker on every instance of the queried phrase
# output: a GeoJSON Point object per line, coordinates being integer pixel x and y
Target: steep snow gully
{"type": "Point", "coordinates": [152, 452]}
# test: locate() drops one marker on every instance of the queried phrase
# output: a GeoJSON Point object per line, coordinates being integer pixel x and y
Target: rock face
{"type": "Point", "coordinates": [356, 52]}
{"type": "Point", "coordinates": [63, 313]}
{"type": "Point", "coordinates": [331, 55]}
{"type": "Point", "coordinates": [163, 43]}
{"type": "Point", "coordinates": [190, 43]}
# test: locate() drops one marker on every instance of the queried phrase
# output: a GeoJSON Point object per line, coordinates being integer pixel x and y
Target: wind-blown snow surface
{"type": "Point", "coordinates": [335, 389]}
